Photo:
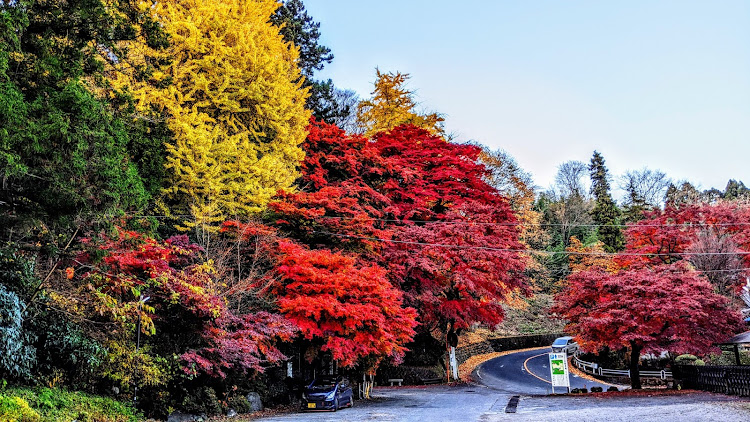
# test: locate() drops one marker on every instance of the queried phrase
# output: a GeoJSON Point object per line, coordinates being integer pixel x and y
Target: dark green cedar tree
{"type": "Point", "coordinates": [327, 102]}
{"type": "Point", "coordinates": [64, 151]}
{"type": "Point", "coordinates": [605, 214]}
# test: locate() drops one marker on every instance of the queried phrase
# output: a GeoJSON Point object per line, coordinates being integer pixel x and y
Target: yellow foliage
{"type": "Point", "coordinates": [55, 379]}
{"type": "Point", "coordinates": [124, 362]}
{"type": "Point", "coordinates": [393, 105]}
{"type": "Point", "coordinates": [586, 257]}
{"type": "Point", "coordinates": [231, 91]}
{"type": "Point", "coordinates": [16, 409]}
{"type": "Point", "coordinates": [516, 300]}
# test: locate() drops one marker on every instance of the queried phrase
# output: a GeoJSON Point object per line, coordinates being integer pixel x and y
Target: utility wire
{"type": "Point", "coordinates": [386, 220]}
{"type": "Point", "coordinates": [551, 252]}
{"type": "Point", "coordinates": [538, 224]}
{"type": "Point", "coordinates": [538, 251]}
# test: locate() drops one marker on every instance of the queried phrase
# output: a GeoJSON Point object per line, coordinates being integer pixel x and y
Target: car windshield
{"type": "Point", "coordinates": [323, 384]}
{"type": "Point", "coordinates": [560, 342]}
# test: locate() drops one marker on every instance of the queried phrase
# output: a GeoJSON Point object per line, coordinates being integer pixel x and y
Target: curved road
{"type": "Point", "coordinates": [526, 373]}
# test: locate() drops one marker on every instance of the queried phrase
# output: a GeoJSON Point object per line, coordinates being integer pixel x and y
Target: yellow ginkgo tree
{"type": "Point", "coordinates": [391, 105]}
{"type": "Point", "coordinates": [230, 90]}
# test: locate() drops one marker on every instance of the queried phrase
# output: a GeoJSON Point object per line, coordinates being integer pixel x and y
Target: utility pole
{"type": "Point", "coordinates": [141, 301]}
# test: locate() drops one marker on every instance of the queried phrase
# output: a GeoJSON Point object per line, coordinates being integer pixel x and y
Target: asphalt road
{"type": "Point", "coordinates": [526, 373]}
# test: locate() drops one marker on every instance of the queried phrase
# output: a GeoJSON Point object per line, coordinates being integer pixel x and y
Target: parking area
{"type": "Point", "coordinates": [482, 404]}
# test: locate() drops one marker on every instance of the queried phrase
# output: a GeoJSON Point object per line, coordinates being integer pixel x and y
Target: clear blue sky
{"type": "Point", "coordinates": [661, 84]}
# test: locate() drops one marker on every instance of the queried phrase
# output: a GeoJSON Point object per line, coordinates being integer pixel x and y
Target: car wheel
{"type": "Point", "coordinates": [351, 401]}
{"type": "Point", "coordinates": [336, 404]}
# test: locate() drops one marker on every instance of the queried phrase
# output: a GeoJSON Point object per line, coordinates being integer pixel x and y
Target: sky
{"type": "Point", "coordinates": [657, 84]}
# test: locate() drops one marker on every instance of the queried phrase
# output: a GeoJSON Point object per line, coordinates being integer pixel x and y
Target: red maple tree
{"type": "Point", "coordinates": [460, 269]}
{"type": "Point", "coordinates": [456, 250]}
{"type": "Point", "coordinates": [338, 205]}
{"type": "Point", "coordinates": [352, 312]}
{"type": "Point", "coordinates": [339, 304]}
{"type": "Point", "coordinates": [424, 176]}
{"type": "Point", "coordinates": [715, 238]}
{"type": "Point", "coordinates": [646, 309]}
{"type": "Point", "coordinates": [403, 200]}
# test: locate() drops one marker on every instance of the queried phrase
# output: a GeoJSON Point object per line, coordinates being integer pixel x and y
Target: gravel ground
{"type": "Point", "coordinates": [482, 404]}
{"type": "Point", "coordinates": [688, 406]}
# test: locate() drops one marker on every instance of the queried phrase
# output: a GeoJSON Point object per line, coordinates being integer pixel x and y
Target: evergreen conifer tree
{"type": "Point", "coordinates": [326, 101]}
{"type": "Point", "coordinates": [605, 213]}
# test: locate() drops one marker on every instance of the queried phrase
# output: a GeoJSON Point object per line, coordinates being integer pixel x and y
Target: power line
{"type": "Point", "coordinates": [538, 251]}
{"type": "Point", "coordinates": [538, 224]}
{"type": "Point", "coordinates": [552, 252]}
{"type": "Point", "coordinates": [479, 223]}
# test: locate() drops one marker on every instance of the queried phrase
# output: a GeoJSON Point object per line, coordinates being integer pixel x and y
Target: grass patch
{"type": "Point", "coordinates": [53, 404]}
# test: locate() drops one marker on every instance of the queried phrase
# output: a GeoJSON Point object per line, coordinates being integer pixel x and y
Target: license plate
{"type": "Point", "coordinates": [311, 405]}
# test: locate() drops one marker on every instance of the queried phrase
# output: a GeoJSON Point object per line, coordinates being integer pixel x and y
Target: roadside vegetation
{"type": "Point", "coordinates": [56, 404]}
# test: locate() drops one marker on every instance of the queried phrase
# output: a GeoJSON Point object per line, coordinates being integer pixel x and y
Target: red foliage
{"type": "Point", "coordinates": [675, 233]}
{"type": "Point", "coordinates": [134, 264]}
{"type": "Point", "coordinates": [213, 338]}
{"type": "Point", "coordinates": [658, 301]}
{"type": "Point", "coordinates": [461, 269]}
{"type": "Point", "coordinates": [339, 204]}
{"type": "Point", "coordinates": [367, 196]}
{"type": "Point", "coordinates": [667, 307]}
{"type": "Point", "coordinates": [239, 343]}
{"type": "Point", "coordinates": [424, 176]}
{"type": "Point", "coordinates": [664, 233]}
{"type": "Point", "coordinates": [354, 312]}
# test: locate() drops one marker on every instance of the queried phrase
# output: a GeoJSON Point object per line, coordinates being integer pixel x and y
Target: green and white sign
{"type": "Point", "coordinates": [558, 365]}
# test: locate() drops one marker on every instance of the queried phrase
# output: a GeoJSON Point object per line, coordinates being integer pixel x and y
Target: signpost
{"type": "Point", "coordinates": [558, 366]}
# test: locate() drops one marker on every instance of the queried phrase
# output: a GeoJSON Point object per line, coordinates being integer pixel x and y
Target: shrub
{"type": "Point", "coordinates": [687, 359]}
{"type": "Point", "coordinates": [727, 358]}
{"type": "Point", "coordinates": [202, 400]}
{"type": "Point", "coordinates": [18, 356]}
{"type": "Point", "coordinates": [17, 272]}
{"type": "Point", "coordinates": [65, 353]}
{"type": "Point", "coordinates": [16, 409]}
{"type": "Point", "coordinates": [239, 403]}
{"type": "Point", "coordinates": [126, 363]}
{"type": "Point", "coordinates": [53, 404]}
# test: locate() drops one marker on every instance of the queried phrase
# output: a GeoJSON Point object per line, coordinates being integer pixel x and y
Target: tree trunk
{"type": "Point", "coordinates": [635, 376]}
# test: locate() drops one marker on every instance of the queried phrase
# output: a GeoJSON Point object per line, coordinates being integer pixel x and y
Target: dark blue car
{"type": "Point", "coordinates": [328, 393]}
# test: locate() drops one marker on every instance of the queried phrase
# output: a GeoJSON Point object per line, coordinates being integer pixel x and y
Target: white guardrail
{"type": "Point", "coordinates": [595, 369]}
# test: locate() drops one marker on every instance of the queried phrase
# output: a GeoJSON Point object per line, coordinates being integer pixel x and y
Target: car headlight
{"type": "Point", "coordinates": [329, 396]}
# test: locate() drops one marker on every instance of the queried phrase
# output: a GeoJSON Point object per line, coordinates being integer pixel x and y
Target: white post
{"type": "Point", "coordinates": [454, 363]}
{"type": "Point", "coordinates": [289, 372]}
